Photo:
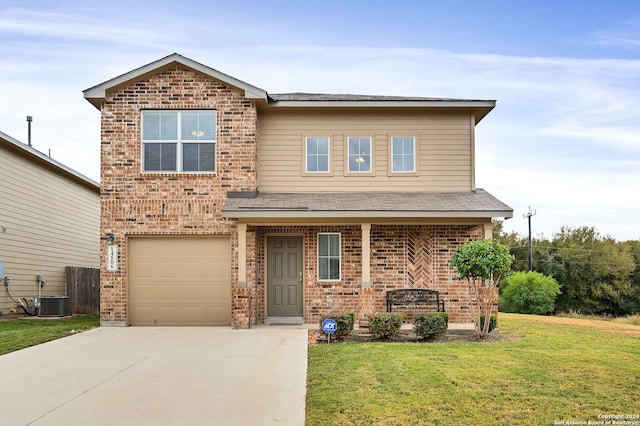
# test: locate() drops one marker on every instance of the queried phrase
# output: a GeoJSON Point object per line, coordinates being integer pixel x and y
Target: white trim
{"type": "Point", "coordinates": [415, 154]}
{"type": "Point", "coordinates": [375, 214]}
{"type": "Point", "coordinates": [371, 156]}
{"type": "Point", "coordinates": [97, 94]}
{"type": "Point", "coordinates": [339, 256]}
{"type": "Point", "coordinates": [179, 142]}
{"type": "Point", "coordinates": [306, 164]}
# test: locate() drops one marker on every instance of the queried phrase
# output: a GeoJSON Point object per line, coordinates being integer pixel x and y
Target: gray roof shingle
{"type": "Point", "coordinates": [299, 96]}
{"type": "Point", "coordinates": [477, 203]}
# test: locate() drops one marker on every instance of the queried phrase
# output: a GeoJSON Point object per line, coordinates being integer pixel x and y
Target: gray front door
{"type": "Point", "coordinates": [284, 276]}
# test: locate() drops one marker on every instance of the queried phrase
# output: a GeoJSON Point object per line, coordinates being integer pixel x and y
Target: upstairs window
{"type": "Point", "coordinates": [329, 256]}
{"type": "Point", "coordinates": [179, 141]}
{"type": "Point", "coordinates": [359, 155]}
{"type": "Point", "coordinates": [317, 154]}
{"type": "Point", "coordinates": [403, 154]}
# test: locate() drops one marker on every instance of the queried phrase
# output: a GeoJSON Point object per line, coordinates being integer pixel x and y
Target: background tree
{"type": "Point", "coordinates": [597, 275]}
{"type": "Point", "coordinates": [483, 264]}
{"type": "Point", "coordinates": [593, 272]}
{"type": "Point", "coordinates": [631, 305]}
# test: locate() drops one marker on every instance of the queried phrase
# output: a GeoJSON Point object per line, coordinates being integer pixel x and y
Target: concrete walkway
{"type": "Point", "coordinates": [159, 376]}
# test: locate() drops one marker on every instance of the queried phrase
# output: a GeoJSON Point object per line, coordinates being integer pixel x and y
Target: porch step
{"type": "Point", "coordinates": [284, 321]}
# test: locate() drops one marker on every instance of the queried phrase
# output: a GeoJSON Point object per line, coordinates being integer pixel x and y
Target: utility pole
{"type": "Point", "coordinates": [528, 216]}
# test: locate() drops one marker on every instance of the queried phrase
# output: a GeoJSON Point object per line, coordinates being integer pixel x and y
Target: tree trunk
{"type": "Point", "coordinates": [476, 307]}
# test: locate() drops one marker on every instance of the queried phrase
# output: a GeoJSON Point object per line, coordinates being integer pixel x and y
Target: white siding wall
{"type": "Point", "coordinates": [47, 222]}
{"type": "Point", "coordinates": [444, 141]}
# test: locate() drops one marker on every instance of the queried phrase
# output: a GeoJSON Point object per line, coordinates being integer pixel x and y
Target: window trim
{"type": "Point", "coordinates": [305, 170]}
{"type": "Point", "coordinates": [339, 257]}
{"type": "Point", "coordinates": [413, 172]}
{"type": "Point", "coordinates": [179, 142]}
{"type": "Point", "coordinates": [347, 171]}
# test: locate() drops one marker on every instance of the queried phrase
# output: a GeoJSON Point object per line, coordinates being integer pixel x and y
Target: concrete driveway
{"type": "Point", "coordinates": [159, 376]}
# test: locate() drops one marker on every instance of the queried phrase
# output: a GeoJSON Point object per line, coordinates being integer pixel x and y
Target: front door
{"type": "Point", "coordinates": [284, 276]}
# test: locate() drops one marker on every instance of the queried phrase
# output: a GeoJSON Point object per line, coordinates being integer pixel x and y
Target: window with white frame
{"type": "Point", "coordinates": [359, 154]}
{"type": "Point", "coordinates": [179, 141]}
{"type": "Point", "coordinates": [329, 256]}
{"type": "Point", "coordinates": [317, 154]}
{"type": "Point", "coordinates": [403, 154]}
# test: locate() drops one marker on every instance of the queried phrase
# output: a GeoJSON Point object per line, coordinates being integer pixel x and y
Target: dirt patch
{"type": "Point", "coordinates": [317, 337]}
{"type": "Point", "coordinates": [12, 316]}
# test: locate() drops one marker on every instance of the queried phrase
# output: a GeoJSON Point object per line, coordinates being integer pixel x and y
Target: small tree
{"type": "Point", "coordinates": [483, 264]}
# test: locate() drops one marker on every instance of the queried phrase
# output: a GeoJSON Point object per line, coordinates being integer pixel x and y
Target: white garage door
{"type": "Point", "coordinates": [180, 281]}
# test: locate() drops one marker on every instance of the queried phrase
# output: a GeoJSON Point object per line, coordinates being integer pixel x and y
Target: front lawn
{"type": "Point", "coordinates": [559, 370]}
{"type": "Point", "coordinates": [18, 334]}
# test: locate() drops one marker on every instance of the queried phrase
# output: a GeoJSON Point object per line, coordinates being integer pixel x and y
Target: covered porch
{"type": "Point", "coordinates": [302, 256]}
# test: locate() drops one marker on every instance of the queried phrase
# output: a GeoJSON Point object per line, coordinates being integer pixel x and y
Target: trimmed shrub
{"type": "Point", "coordinates": [529, 293]}
{"type": "Point", "coordinates": [385, 325]}
{"type": "Point", "coordinates": [431, 324]}
{"type": "Point", "coordinates": [493, 322]}
{"type": "Point", "coordinates": [353, 319]}
{"type": "Point", "coordinates": [344, 321]}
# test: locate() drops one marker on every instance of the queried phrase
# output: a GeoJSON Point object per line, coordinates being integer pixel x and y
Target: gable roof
{"type": "Point", "coordinates": [96, 94]}
{"type": "Point", "coordinates": [471, 204]}
{"type": "Point", "coordinates": [39, 158]}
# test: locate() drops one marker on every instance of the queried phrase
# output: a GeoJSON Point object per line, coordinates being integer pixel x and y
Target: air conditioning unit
{"type": "Point", "coordinates": [53, 306]}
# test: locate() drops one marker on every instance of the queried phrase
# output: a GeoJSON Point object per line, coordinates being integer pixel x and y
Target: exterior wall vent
{"type": "Point", "coordinates": [53, 306]}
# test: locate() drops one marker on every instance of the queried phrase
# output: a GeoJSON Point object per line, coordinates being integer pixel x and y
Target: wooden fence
{"type": "Point", "coordinates": [83, 289]}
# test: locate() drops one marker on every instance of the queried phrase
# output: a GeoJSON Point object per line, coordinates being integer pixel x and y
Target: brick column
{"type": "Point", "coordinates": [242, 255]}
{"type": "Point", "coordinates": [366, 255]}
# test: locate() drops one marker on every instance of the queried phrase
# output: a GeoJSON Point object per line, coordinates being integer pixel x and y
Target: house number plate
{"type": "Point", "coordinates": [112, 258]}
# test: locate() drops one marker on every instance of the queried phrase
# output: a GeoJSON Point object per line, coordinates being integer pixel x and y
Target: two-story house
{"type": "Point", "coordinates": [232, 206]}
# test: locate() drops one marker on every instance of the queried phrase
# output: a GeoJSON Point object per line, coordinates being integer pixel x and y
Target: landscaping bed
{"type": "Point", "coordinates": [318, 337]}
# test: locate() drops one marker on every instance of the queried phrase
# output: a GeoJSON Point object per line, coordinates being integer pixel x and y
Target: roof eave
{"type": "Point", "coordinates": [307, 214]}
{"type": "Point", "coordinates": [385, 103]}
{"type": "Point", "coordinates": [61, 168]}
{"type": "Point", "coordinates": [96, 94]}
{"type": "Point", "coordinates": [481, 108]}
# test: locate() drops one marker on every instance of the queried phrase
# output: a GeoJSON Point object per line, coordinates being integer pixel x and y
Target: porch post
{"type": "Point", "coordinates": [366, 255]}
{"type": "Point", "coordinates": [242, 255]}
{"type": "Point", "coordinates": [488, 230]}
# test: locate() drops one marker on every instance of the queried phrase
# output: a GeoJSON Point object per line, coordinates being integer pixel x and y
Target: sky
{"type": "Point", "coordinates": [563, 140]}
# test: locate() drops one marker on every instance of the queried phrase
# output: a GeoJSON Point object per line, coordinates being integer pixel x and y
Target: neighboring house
{"type": "Point", "coordinates": [49, 219]}
{"type": "Point", "coordinates": [233, 206]}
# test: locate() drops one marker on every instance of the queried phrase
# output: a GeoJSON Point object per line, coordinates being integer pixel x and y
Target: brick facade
{"type": "Point", "coordinates": [135, 203]}
{"type": "Point", "coordinates": [394, 263]}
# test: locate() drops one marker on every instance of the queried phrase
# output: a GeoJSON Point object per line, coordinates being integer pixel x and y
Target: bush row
{"type": "Point", "coordinates": [426, 325]}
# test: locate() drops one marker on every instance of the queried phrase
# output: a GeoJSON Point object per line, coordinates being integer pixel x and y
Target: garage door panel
{"type": "Point", "coordinates": [214, 315]}
{"type": "Point", "coordinates": [144, 315]}
{"type": "Point", "coordinates": [196, 292]}
{"type": "Point", "coordinates": [180, 281]}
{"type": "Point", "coordinates": [216, 292]}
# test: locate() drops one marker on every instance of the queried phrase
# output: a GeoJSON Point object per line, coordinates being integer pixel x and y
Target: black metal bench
{"type": "Point", "coordinates": [414, 299]}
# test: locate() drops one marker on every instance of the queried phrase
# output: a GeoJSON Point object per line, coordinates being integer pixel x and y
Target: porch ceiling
{"type": "Point", "coordinates": [366, 205]}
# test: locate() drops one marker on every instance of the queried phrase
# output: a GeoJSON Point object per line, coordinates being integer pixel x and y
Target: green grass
{"type": "Point", "coordinates": [556, 369]}
{"type": "Point", "coordinates": [21, 333]}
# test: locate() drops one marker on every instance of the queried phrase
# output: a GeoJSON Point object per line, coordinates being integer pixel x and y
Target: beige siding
{"type": "Point", "coordinates": [47, 222]}
{"type": "Point", "coordinates": [443, 139]}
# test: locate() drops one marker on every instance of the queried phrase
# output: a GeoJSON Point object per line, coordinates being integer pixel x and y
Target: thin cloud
{"type": "Point", "coordinates": [562, 137]}
{"type": "Point", "coordinates": [54, 26]}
